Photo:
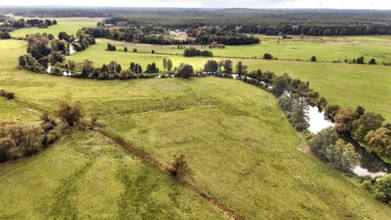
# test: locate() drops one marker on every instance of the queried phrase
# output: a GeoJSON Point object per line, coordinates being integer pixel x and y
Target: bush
{"type": "Point", "coordinates": [313, 59]}
{"type": "Point", "coordinates": [178, 167]}
{"type": "Point", "coordinates": [17, 140]}
{"type": "Point", "coordinates": [267, 56]}
{"type": "Point", "coordinates": [10, 95]}
{"type": "Point", "coordinates": [360, 60]}
{"type": "Point", "coordinates": [67, 113]}
{"type": "Point", "coordinates": [372, 61]}
{"type": "Point", "coordinates": [383, 189]}
{"type": "Point", "coordinates": [185, 71]}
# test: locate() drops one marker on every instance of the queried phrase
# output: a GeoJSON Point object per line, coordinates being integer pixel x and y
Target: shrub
{"type": "Point", "coordinates": [178, 167]}
{"type": "Point", "coordinates": [185, 71]}
{"type": "Point", "coordinates": [10, 95]}
{"type": "Point", "coordinates": [267, 56]}
{"type": "Point", "coordinates": [360, 60]}
{"type": "Point", "coordinates": [67, 113]}
{"type": "Point", "coordinates": [313, 59]}
{"type": "Point", "coordinates": [372, 61]}
{"type": "Point", "coordinates": [383, 189]}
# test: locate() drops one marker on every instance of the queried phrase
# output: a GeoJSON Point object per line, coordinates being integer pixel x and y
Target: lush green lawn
{"type": "Point", "coordinates": [345, 84]}
{"type": "Point", "coordinates": [69, 25]}
{"type": "Point", "coordinates": [85, 176]}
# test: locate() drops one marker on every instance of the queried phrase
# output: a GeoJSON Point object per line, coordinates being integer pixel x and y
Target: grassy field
{"type": "Point", "coordinates": [230, 132]}
{"type": "Point", "coordinates": [69, 25]}
{"type": "Point", "coordinates": [85, 176]}
{"type": "Point", "coordinates": [327, 49]}
{"type": "Point", "coordinates": [232, 143]}
{"type": "Point", "coordinates": [368, 85]}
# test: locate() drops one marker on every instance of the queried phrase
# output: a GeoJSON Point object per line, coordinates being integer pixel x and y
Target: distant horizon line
{"type": "Point", "coordinates": [201, 8]}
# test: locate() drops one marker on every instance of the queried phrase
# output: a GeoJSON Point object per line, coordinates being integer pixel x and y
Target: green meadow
{"type": "Point", "coordinates": [69, 25]}
{"type": "Point", "coordinates": [368, 85]}
{"type": "Point", "coordinates": [85, 176]}
{"type": "Point", "coordinates": [238, 144]}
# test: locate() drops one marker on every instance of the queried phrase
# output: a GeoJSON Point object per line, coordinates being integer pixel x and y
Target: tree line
{"type": "Point", "coordinates": [11, 24]}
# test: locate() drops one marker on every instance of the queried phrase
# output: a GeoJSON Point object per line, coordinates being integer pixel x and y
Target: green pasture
{"type": "Point", "coordinates": [326, 49]}
{"type": "Point", "coordinates": [348, 85]}
{"type": "Point", "coordinates": [85, 176]}
{"type": "Point", "coordinates": [69, 25]}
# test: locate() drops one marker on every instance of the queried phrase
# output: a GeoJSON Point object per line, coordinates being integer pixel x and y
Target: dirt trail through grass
{"type": "Point", "coordinates": [154, 163]}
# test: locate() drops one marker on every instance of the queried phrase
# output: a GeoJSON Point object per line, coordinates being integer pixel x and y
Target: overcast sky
{"type": "Point", "coordinates": [339, 4]}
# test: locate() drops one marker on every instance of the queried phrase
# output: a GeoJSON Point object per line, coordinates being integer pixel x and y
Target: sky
{"type": "Point", "coordinates": [336, 4]}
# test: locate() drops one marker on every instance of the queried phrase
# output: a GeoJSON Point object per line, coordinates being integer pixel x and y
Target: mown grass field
{"type": "Point", "coordinates": [348, 85]}
{"type": "Point", "coordinates": [238, 144]}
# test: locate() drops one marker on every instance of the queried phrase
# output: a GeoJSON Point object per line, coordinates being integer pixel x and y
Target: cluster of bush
{"type": "Point", "coordinates": [111, 47]}
{"type": "Point", "coordinates": [5, 35]}
{"type": "Point", "coordinates": [380, 186]}
{"type": "Point", "coordinates": [365, 127]}
{"type": "Point", "coordinates": [8, 95]}
{"type": "Point", "coordinates": [267, 56]}
{"type": "Point", "coordinates": [44, 49]}
{"type": "Point", "coordinates": [83, 42]}
{"type": "Point", "coordinates": [11, 25]}
{"type": "Point", "coordinates": [193, 52]}
{"type": "Point", "coordinates": [360, 60]}
{"type": "Point", "coordinates": [328, 146]}
{"type": "Point", "coordinates": [19, 140]}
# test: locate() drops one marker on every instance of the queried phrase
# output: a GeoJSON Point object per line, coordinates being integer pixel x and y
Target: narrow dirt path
{"type": "Point", "coordinates": [154, 163]}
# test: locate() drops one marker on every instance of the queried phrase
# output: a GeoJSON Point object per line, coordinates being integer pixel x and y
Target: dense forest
{"type": "Point", "coordinates": [249, 21]}
{"type": "Point", "coordinates": [308, 22]}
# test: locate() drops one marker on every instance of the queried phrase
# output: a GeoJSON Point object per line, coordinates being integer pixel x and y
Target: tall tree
{"type": "Point", "coordinates": [228, 66]}
{"type": "Point", "coordinates": [241, 68]}
{"type": "Point", "coordinates": [169, 65]}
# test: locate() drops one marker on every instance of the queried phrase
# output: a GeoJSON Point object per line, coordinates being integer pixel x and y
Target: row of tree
{"type": "Point", "coordinates": [193, 52]}
{"type": "Point", "coordinates": [12, 24]}
{"type": "Point", "coordinates": [142, 34]}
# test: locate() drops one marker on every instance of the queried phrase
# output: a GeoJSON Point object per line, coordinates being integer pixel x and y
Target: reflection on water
{"type": "Point", "coordinates": [317, 120]}
{"type": "Point", "coordinates": [370, 163]}
{"type": "Point", "coordinates": [72, 50]}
